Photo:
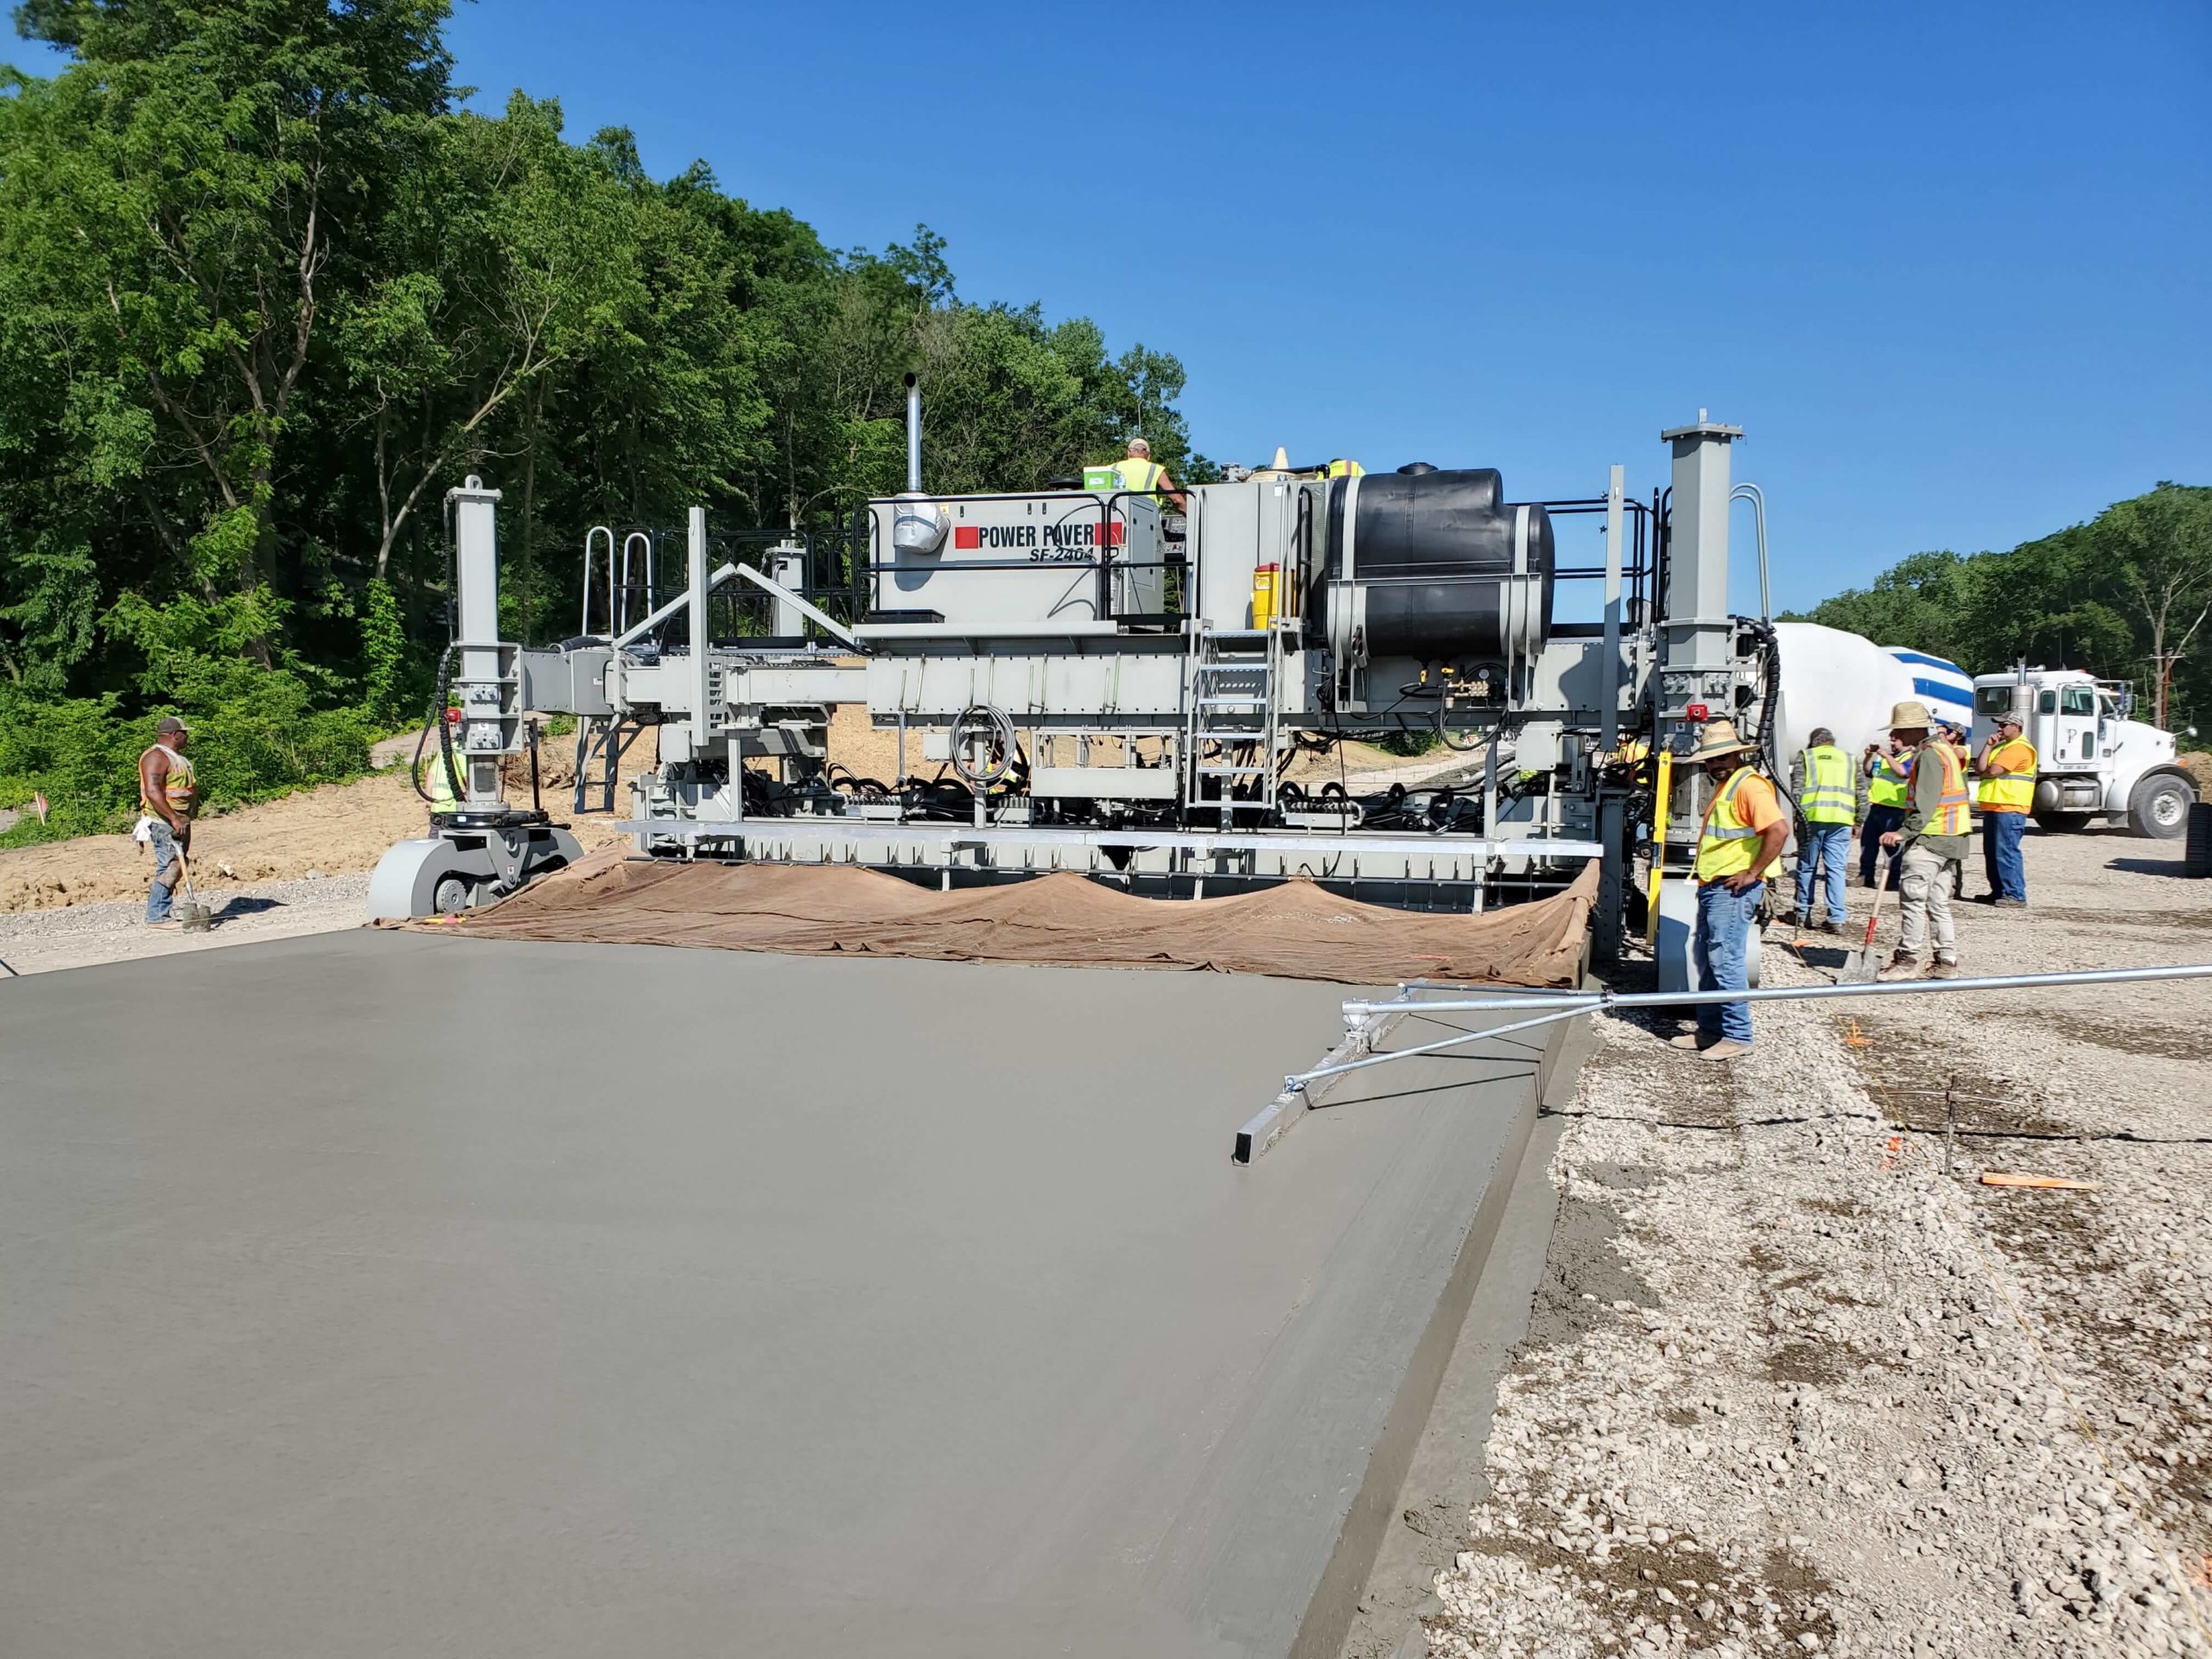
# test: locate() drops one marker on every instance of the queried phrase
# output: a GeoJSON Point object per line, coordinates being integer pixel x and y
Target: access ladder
{"type": "Point", "coordinates": [1233, 676]}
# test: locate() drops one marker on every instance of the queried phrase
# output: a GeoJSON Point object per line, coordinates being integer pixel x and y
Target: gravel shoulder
{"type": "Point", "coordinates": [40, 941]}
{"type": "Point", "coordinates": [1792, 1389]}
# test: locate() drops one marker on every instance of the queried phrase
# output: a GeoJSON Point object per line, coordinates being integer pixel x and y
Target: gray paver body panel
{"type": "Point", "coordinates": [762, 1305]}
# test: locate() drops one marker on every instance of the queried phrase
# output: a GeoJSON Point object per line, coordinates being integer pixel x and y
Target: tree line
{"type": "Point", "coordinates": [268, 289]}
{"type": "Point", "coordinates": [2126, 596]}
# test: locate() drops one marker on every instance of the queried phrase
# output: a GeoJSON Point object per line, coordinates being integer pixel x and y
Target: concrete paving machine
{"type": "Point", "coordinates": [1084, 680]}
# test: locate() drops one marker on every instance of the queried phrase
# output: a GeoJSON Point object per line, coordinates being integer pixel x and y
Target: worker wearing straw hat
{"type": "Point", "coordinates": [1930, 846]}
{"type": "Point", "coordinates": [1741, 838]}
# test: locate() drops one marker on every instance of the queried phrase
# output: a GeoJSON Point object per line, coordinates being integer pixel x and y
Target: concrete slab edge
{"type": "Point", "coordinates": [1329, 1611]}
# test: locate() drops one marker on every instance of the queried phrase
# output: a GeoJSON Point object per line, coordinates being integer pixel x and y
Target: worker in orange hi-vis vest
{"type": "Point", "coordinates": [2005, 794]}
{"type": "Point", "coordinates": [1931, 845]}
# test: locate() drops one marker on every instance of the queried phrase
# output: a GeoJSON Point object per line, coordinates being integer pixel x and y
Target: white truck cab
{"type": "Point", "coordinates": [2092, 760]}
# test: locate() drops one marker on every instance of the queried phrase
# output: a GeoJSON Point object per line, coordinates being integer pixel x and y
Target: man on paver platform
{"type": "Point", "coordinates": [2006, 792]}
{"type": "Point", "coordinates": [1741, 838]}
{"type": "Point", "coordinates": [168, 795]}
{"type": "Point", "coordinates": [1140, 473]}
{"type": "Point", "coordinates": [1824, 783]}
{"type": "Point", "coordinates": [1931, 845]}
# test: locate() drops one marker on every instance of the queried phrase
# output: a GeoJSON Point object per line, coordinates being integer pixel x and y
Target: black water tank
{"type": "Point", "coordinates": [1434, 552]}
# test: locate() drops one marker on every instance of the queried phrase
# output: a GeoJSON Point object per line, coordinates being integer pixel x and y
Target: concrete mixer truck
{"type": "Point", "coordinates": [1849, 683]}
{"type": "Point", "coordinates": [2095, 763]}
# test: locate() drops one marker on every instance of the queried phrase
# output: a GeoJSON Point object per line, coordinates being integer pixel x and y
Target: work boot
{"type": "Point", "coordinates": [1833, 926]}
{"type": "Point", "coordinates": [1726, 1049]}
{"type": "Point", "coordinates": [1901, 967]}
{"type": "Point", "coordinates": [1689, 1040]}
{"type": "Point", "coordinates": [2009, 904]}
{"type": "Point", "coordinates": [1793, 918]}
{"type": "Point", "coordinates": [1944, 969]}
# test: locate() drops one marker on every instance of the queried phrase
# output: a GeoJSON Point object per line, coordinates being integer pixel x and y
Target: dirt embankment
{"type": "Point", "coordinates": [333, 830]}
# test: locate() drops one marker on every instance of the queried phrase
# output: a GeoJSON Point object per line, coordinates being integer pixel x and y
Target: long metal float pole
{"type": "Point", "coordinates": [1609, 1002]}
{"type": "Point", "coordinates": [1803, 993]}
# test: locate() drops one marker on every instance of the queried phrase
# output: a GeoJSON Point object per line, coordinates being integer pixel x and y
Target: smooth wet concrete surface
{"type": "Point", "coordinates": [387, 1293]}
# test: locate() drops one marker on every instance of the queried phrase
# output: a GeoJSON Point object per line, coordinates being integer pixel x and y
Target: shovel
{"type": "Point", "coordinates": [1862, 965]}
{"type": "Point", "coordinates": [195, 916]}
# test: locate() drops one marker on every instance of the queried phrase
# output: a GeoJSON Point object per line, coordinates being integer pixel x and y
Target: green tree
{"type": "Point", "coordinates": [175, 210]}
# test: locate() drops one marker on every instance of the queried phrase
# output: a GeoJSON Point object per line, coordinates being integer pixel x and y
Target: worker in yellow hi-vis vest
{"type": "Point", "coordinates": [1826, 787]}
{"type": "Point", "coordinates": [1741, 838]}
{"type": "Point", "coordinates": [1888, 775]}
{"type": "Point", "coordinates": [2005, 793]}
{"type": "Point", "coordinates": [1931, 842]}
{"type": "Point", "coordinates": [1140, 473]}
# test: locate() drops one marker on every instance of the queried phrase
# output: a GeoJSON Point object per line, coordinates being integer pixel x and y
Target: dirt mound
{"type": "Point", "coordinates": [2198, 764]}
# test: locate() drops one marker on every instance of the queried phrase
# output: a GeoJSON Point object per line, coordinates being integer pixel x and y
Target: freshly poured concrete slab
{"type": "Point", "coordinates": [382, 1293]}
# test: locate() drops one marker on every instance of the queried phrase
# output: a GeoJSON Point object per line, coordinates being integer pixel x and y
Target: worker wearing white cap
{"type": "Point", "coordinates": [1931, 845]}
{"type": "Point", "coordinates": [1741, 838]}
{"type": "Point", "coordinates": [1140, 472]}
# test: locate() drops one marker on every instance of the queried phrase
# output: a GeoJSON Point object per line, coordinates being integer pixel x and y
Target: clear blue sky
{"type": "Point", "coordinates": [1950, 266]}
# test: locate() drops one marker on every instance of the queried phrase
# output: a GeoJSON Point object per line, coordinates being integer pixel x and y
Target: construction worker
{"type": "Point", "coordinates": [2004, 793]}
{"type": "Point", "coordinates": [168, 796]}
{"type": "Point", "coordinates": [437, 777]}
{"type": "Point", "coordinates": [1140, 472]}
{"type": "Point", "coordinates": [1741, 838]}
{"type": "Point", "coordinates": [1931, 844]}
{"type": "Point", "coordinates": [1825, 784]}
{"type": "Point", "coordinates": [1889, 791]}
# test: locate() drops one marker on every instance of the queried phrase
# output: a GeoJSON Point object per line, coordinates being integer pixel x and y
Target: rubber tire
{"type": "Point", "coordinates": [452, 896]}
{"type": "Point", "coordinates": [2064, 823]}
{"type": "Point", "coordinates": [2161, 792]}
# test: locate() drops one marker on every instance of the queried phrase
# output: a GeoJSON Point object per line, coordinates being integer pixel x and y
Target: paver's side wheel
{"type": "Point", "coordinates": [452, 896]}
{"type": "Point", "coordinates": [2159, 805]}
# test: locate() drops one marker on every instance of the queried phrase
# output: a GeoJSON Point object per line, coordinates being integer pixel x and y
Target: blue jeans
{"type": "Point", "coordinates": [1724, 920]}
{"type": "Point", "coordinates": [158, 895]}
{"type": "Point", "coordinates": [1880, 820]}
{"type": "Point", "coordinates": [2000, 854]}
{"type": "Point", "coordinates": [1828, 845]}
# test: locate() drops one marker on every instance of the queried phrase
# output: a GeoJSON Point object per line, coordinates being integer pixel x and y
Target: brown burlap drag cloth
{"type": "Point", "coordinates": [1296, 930]}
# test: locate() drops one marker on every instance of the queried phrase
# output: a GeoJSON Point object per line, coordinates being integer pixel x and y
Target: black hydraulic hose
{"type": "Point", "coordinates": [436, 715]}
{"type": "Point", "coordinates": [1770, 659]}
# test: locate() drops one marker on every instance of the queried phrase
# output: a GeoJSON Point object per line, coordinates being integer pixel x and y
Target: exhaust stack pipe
{"type": "Point", "coordinates": [917, 526]}
{"type": "Point", "coordinates": [914, 435]}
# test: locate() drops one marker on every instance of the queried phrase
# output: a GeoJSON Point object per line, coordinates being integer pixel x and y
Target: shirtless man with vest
{"type": "Point", "coordinates": [168, 795]}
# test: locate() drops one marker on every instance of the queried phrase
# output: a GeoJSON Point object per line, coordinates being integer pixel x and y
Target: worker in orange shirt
{"type": "Point", "coordinates": [1741, 839]}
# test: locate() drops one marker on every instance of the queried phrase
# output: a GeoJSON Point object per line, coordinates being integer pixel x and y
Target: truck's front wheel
{"type": "Point", "coordinates": [2158, 807]}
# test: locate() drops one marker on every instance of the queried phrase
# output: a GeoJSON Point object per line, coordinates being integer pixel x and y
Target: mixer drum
{"type": "Point", "coordinates": [1433, 566]}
